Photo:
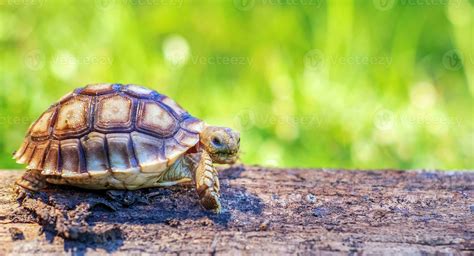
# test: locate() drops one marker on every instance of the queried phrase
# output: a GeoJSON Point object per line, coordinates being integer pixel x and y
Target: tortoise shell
{"type": "Point", "coordinates": [109, 128]}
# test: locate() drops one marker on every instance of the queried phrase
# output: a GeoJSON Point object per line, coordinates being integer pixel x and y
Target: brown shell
{"type": "Point", "coordinates": [109, 127]}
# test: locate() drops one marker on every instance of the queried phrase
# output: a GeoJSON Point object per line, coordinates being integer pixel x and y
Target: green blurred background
{"type": "Point", "coordinates": [309, 83]}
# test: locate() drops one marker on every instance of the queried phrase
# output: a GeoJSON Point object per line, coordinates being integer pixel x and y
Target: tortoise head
{"type": "Point", "coordinates": [221, 143]}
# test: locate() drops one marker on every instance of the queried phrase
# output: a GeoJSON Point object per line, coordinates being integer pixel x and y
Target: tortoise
{"type": "Point", "coordinates": [125, 137]}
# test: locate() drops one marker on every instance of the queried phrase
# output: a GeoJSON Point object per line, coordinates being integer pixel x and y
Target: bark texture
{"type": "Point", "coordinates": [265, 211]}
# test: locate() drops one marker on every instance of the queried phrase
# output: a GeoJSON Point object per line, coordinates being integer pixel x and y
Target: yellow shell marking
{"type": "Point", "coordinates": [41, 127]}
{"type": "Point", "coordinates": [72, 115]}
{"type": "Point", "coordinates": [115, 109]}
{"type": "Point", "coordinates": [157, 118]}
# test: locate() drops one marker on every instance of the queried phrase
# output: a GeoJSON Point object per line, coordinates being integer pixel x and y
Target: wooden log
{"type": "Point", "coordinates": [267, 211]}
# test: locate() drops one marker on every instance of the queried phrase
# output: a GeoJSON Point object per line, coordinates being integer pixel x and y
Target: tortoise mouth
{"type": "Point", "coordinates": [228, 157]}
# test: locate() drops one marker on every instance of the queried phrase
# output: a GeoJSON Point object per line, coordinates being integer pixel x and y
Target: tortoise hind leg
{"type": "Point", "coordinates": [31, 181]}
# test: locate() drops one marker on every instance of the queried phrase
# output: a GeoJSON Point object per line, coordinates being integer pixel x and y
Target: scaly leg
{"type": "Point", "coordinates": [179, 173]}
{"type": "Point", "coordinates": [32, 180]}
{"type": "Point", "coordinates": [207, 183]}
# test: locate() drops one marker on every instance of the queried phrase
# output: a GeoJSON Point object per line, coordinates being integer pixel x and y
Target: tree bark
{"type": "Point", "coordinates": [265, 211]}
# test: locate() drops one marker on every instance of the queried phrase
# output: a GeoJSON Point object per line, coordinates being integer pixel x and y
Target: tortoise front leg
{"type": "Point", "coordinates": [207, 183]}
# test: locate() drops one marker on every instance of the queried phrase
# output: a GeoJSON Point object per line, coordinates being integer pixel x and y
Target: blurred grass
{"type": "Point", "coordinates": [309, 83]}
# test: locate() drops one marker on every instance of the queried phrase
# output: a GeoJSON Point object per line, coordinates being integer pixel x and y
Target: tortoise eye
{"type": "Point", "coordinates": [216, 141]}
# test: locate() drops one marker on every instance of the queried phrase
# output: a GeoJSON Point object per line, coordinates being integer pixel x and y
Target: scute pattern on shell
{"type": "Point", "coordinates": [109, 128]}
